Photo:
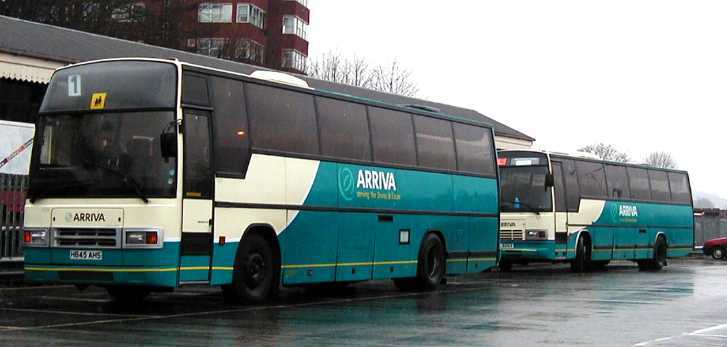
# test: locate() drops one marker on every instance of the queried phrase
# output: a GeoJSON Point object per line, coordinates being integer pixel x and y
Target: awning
{"type": "Point", "coordinates": [16, 67]}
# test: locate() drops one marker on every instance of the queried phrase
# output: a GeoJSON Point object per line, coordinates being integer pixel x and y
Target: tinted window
{"type": "Point", "coordinates": [344, 129]}
{"type": "Point", "coordinates": [591, 178]}
{"type": "Point", "coordinates": [197, 171]}
{"type": "Point", "coordinates": [618, 184]}
{"type": "Point", "coordinates": [281, 120]}
{"type": "Point", "coordinates": [392, 136]}
{"type": "Point", "coordinates": [570, 176]}
{"type": "Point", "coordinates": [639, 184]}
{"type": "Point", "coordinates": [659, 185]}
{"type": "Point", "coordinates": [194, 89]}
{"type": "Point", "coordinates": [474, 149]}
{"type": "Point", "coordinates": [435, 147]}
{"type": "Point", "coordinates": [559, 187]}
{"type": "Point", "coordinates": [230, 121]}
{"type": "Point", "coordinates": [679, 184]}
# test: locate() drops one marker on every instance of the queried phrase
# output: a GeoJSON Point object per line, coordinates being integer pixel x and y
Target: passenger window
{"type": "Point", "coordinates": [680, 192]}
{"type": "Point", "coordinates": [197, 171]}
{"type": "Point", "coordinates": [617, 180]}
{"type": "Point", "coordinates": [659, 186]}
{"type": "Point", "coordinates": [559, 187]}
{"type": "Point", "coordinates": [392, 136]}
{"type": "Point", "coordinates": [573, 194]}
{"type": "Point", "coordinates": [474, 149]}
{"type": "Point", "coordinates": [194, 89]}
{"type": "Point", "coordinates": [344, 129]}
{"type": "Point", "coordinates": [591, 178]}
{"type": "Point", "coordinates": [232, 141]}
{"type": "Point", "coordinates": [435, 147]}
{"type": "Point", "coordinates": [639, 184]}
{"type": "Point", "coordinates": [281, 120]}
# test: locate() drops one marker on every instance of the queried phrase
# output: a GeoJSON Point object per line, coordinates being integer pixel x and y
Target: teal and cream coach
{"type": "Point", "coordinates": [588, 212]}
{"type": "Point", "coordinates": [152, 174]}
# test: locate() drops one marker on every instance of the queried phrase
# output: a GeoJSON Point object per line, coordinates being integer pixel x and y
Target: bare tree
{"type": "Point", "coordinates": [662, 160]}
{"type": "Point", "coordinates": [357, 71]}
{"type": "Point", "coordinates": [606, 152]}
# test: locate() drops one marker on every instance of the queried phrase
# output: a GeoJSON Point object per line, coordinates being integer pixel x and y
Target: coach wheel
{"type": "Point", "coordinates": [431, 267]}
{"type": "Point", "coordinates": [582, 262]}
{"type": "Point", "coordinates": [505, 266]}
{"type": "Point", "coordinates": [255, 278]}
{"type": "Point", "coordinates": [127, 294]}
{"type": "Point", "coordinates": [659, 259]}
{"type": "Point", "coordinates": [718, 253]}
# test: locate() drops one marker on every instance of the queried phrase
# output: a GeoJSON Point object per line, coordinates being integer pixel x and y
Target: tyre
{"type": "Point", "coordinates": [128, 294]}
{"type": "Point", "coordinates": [718, 253]}
{"type": "Point", "coordinates": [431, 267]}
{"type": "Point", "coordinates": [505, 266]}
{"type": "Point", "coordinates": [658, 261]}
{"type": "Point", "coordinates": [582, 262]}
{"type": "Point", "coordinates": [256, 274]}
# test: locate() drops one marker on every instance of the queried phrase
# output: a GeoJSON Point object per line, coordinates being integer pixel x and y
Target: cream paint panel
{"type": "Point", "coordinates": [232, 222]}
{"type": "Point", "coordinates": [196, 216]}
{"type": "Point", "coordinates": [542, 221]}
{"type": "Point", "coordinates": [589, 212]}
{"type": "Point", "coordinates": [264, 183]}
{"type": "Point", "coordinates": [300, 174]}
{"type": "Point", "coordinates": [509, 143]}
{"type": "Point", "coordinates": [159, 213]}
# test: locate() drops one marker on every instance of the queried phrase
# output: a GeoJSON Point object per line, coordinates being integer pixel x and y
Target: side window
{"type": "Point", "coordinates": [618, 184]}
{"type": "Point", "coordinates": [592, 179]}
{"type": "Point", "coordinates": [559, 187]}
{"type": "Point", "coordinates": [679, 183]}
{"type": "Point", "coordinates": [194, 89]}
{"type": "Point", "coordinates": [392, 136]}
{"type": "Point", "coordinates": [474, 149]}
{"type": "Point", "coordinates": [573, 194]}
{"type": "Point", "coordinates": [435, 146]}
{"type": "Point", "coordinates": [197, 172]}
{"type": "Point", "coordinates": [344, 129]}
{"type": "Point", "coordinates": [639, 184]}
{"type": "Point", "coordinates": [659, 185]}
{"type": "Point", "coordinates": [281, 120]}
{"type": "Point", "coordinates": [232, 144]}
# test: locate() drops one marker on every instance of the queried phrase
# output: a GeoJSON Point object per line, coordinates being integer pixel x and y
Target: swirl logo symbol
{"type": "Point", "coordinates": [346, 184]}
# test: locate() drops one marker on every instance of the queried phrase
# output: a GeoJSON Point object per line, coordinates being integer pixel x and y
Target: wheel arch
{"type": "Point", "coordinates": [661, 234]}
{"type": "Point", "coordinates": [267, 232]}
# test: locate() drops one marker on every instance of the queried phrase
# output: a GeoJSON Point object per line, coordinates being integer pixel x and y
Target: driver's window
{"type": "Point", "coordinates": [197, 166]}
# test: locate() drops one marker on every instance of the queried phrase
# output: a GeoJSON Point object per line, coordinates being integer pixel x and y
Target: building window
{"type": "Point", "coordinates": [248, 13]}
{"type": "Point", "coordinates": [302, 2]}
{"type": "Point", "coordinates": [215, 13]}
{"type": "Point", "coordinates": [295, 26]}
{"type": "Point", "coordinates": [129, 13]}
{"type": "Point", "coordinates": [212, 47]}
{"type": "Point", "coordinates": [250, 50]}
{"type": "Point", "coordinates": [293, 59]}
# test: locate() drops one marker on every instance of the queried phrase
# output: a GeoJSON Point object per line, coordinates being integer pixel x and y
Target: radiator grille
{"type": "Point", "coordinates": [86, 238]}
{"type": "Point", "coordinates": [512, 234]}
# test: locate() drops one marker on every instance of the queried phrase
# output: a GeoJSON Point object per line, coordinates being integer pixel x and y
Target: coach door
{"type": "Point", "coordinates": [561, 214]}
{"type": "Point", "coordinates": [197, 198]}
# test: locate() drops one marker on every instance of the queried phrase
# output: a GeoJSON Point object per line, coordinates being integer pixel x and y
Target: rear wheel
{"type": "Point", "coordinates": [658, 261]}
{"type": "Point", "coordinates": [128, 294]}
{"type": "Point", "coordinates": [256, 274]}
{"type": "Point", "coordinates": [431, 266]}
{"type": "Point", "coordinates": [582, 262]}
{"type": "Point", "coordinates": [505, 266]}
{"type": "Point", "coordinates": [718, 253]}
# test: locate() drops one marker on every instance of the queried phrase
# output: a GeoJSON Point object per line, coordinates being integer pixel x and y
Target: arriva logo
{"type": "Point", "coordinates": [628, 211]}
{"type": "Point", "coordinates": [375, 180]}
{"type": "Point", "coordinates": [345, 184]}
{"type": "Point", "coordinates": [85, 217]}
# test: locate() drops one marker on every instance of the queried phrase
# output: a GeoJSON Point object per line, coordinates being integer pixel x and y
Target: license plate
{"type": "Point", "coordinates": [507, 246]}
{"type": "Point", "coordinates": [86, 255]}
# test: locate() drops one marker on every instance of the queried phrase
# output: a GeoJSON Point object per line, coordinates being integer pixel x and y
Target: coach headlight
{"type": "Point", "coordinates": [535, 234]}
{"type": "Point", "coordinates": [36, 237]}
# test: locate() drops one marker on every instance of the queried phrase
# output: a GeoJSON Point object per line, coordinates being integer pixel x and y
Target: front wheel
{"type": "Point", "coordinates": [718, 253]}
{"type": "Point", "coordinates": [582, 262]}
{"type": "Point", "coordinates": [431, 267]}
{"type": "Point", "coordinates": [255, 278]}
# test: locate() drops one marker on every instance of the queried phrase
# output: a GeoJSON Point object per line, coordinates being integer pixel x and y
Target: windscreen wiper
{"type": "Point", "coordinates": [126, 179]}
{"type": "Point", "coordinates": [525, 204]}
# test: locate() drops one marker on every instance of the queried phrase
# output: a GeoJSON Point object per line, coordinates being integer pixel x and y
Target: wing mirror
{"type": "Point", "coordinates": [168, 143]}
{"type": "Point", "coordinates": [549, 181]}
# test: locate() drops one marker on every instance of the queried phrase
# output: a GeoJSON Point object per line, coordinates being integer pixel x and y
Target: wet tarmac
{"type": "Point", "coordinates": [531, 306]}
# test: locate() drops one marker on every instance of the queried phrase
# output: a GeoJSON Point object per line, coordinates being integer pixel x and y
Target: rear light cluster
{"type": "Point", "coordinates": [36, 237]}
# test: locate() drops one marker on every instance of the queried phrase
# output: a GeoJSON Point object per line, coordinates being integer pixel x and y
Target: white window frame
{"type": "Point", "coordinates": [295, 26]}
{"type": "Point", "coordinates": [293, 59]}
{"type": "Point", "coordinates": [209, 45]}
{"type": "Point", "coordinates": [302, 2]}
{"type": "Point", "coordinates": [255, 15]}
{"type": "Point", "coordinates": [220, 16]}
{"type": "Point", "coordinates": [129, 13]}
{"type": "Point", "coordinates": [250, 50]}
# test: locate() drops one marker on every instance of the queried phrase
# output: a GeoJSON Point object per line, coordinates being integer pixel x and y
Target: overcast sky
{"type": "Point", "coordinates": [641, 75]}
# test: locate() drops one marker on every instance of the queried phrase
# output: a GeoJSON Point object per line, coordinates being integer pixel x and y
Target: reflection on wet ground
{"type": "Point", "coordinates": [537, 305]}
